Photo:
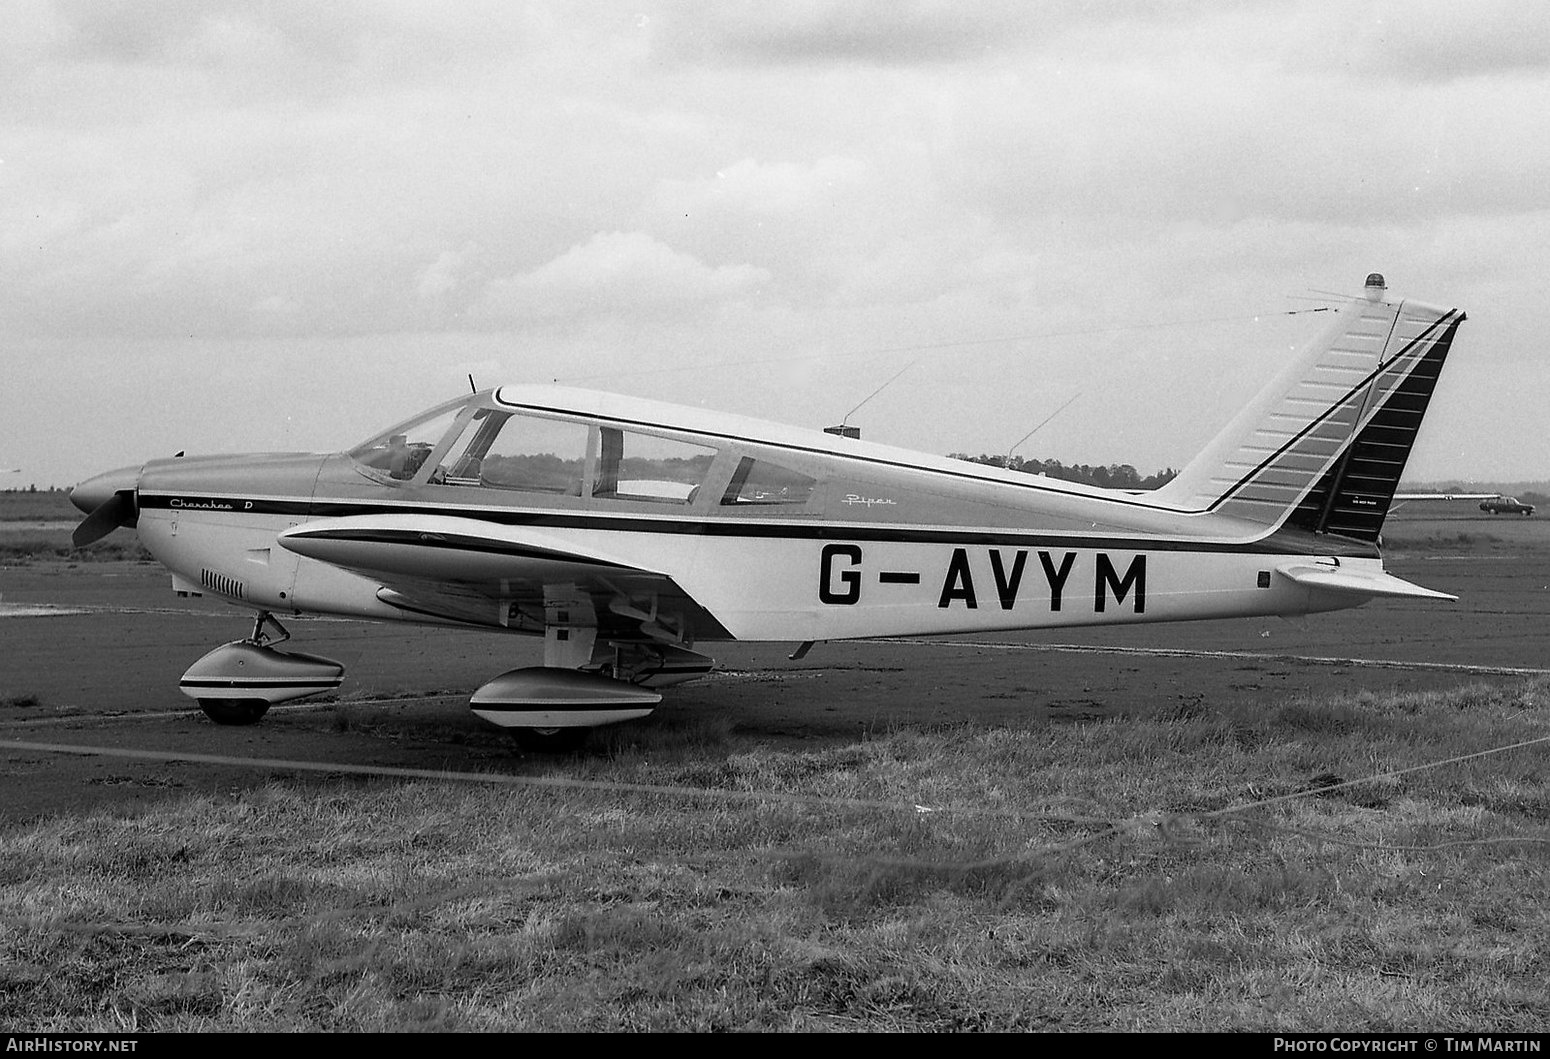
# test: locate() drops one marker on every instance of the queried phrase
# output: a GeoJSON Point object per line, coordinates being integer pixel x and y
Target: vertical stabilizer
{"type": "Point", "coordinates": [1322, 448]}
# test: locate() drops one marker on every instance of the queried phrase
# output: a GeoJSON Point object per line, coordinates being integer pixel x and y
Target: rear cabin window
{"type": "Point", "coordinates": [501, 450]}
{"type": "Point", "coordinates": [634, 466]}
{"type": "Point", "coordinates": [761, 483]}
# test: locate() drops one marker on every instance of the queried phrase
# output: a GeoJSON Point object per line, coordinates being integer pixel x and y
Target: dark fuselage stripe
{"type": "Point", "coordinates": [262, 682]}
{"type": "Point", "coordinates": [453, 541]}
{"type": "Point", "coordinates": [561, 706]}
{"type": "Point", "coordinates": [1278, 543]}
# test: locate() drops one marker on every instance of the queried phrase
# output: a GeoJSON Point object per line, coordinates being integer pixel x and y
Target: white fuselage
{"type": "Point", "coordinates": [785, 579]}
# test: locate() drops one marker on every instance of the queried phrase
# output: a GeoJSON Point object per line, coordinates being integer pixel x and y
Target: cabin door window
{"type": "Point", "coordinates": [500, 450]}
{"type": "Point", "coordinates": [635, 466]}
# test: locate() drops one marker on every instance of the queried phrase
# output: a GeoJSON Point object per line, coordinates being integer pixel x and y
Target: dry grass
{"type": "Point", "coordinates": [1087, 876]}
{"type": "Point", "coordinates": [22, 544]}
{"type": "Point", "coordinates": [39, 505]}
{"type": "Point", "coordinates": [22, 547]}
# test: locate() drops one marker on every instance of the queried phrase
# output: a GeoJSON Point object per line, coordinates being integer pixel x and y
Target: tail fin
{"type": "Point", "coordinates": [1323, 446]}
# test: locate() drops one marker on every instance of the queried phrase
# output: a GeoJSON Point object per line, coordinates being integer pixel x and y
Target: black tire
{"type": "Point", "coordinates": [234, 711]}
{"type": "Point", "coordinates": [550, 740]}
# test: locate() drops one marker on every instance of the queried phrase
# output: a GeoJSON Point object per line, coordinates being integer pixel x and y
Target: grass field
{"type": "Point", "coordinates": [1274, 862]}
{"type": "Point", "coordinates": [1191, 870]}
{"type": "Point", "coordinates": [36, 527]}
{"type": "Point", "coordinates": [40, 506]}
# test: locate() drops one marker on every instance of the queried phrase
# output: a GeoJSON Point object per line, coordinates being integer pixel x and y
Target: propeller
{"type": "Point", "coordinates": [110, 501]}
{"type": "Point", "coordinates": [120, 509]}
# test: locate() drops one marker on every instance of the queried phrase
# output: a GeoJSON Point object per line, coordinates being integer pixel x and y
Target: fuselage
{"type": "Point", "coordinates": [771, 533]}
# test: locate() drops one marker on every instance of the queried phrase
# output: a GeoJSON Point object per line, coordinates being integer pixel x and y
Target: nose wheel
{"type": "Point", "coordinates": [247, 711]}
{"type": "Point", "coordinates": [234, 711]}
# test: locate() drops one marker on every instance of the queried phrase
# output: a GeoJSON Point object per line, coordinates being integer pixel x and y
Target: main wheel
{"type": "Point", "coordinates": [550, 740]}
{"type": "Point", "coordinates": [234, 711]}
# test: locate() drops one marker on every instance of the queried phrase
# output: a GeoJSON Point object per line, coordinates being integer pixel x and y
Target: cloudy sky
{"type": "Point", "coordinates": [232, 225]}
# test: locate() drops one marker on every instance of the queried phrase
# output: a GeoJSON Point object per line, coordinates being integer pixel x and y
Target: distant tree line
{"type": "Point", "coordinates": [1114, 476]}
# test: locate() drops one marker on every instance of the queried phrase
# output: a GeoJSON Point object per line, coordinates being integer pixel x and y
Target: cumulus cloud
{"type": "Point", "coordinates": [440, 277]}
{"type": "Point", "coordinates": [613, 272]}
{"type": "Point", "coordinates": [1170, 140]}
{"type": "Point", "coordinates": [1435, 41]}
{"type": "Point", "coordinates": [880, 32]}
{"type": "Point", "coordinates": [760, 188]}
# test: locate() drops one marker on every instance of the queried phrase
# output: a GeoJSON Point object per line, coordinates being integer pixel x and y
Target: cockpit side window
{"type": "Point", "coordinates": [636, 466]}
{"type": "Point", "coordinates": [503, 450]}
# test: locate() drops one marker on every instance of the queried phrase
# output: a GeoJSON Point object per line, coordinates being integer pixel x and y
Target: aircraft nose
{"type": "Point", "coordinates": [94, 492]}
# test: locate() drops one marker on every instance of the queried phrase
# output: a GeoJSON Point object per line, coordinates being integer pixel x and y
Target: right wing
{"type": "Point", "coordinates": [469, 570]}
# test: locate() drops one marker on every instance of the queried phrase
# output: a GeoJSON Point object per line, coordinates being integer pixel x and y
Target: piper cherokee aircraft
{"type": "Point", "coordinates": [629, 533]}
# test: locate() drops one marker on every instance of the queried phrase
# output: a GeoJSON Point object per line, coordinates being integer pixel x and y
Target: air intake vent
{"type": "Point", "coordinates": [221, 584]}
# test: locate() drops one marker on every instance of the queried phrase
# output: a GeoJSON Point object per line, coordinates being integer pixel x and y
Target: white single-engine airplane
{"type": "Point", "coordinates": [627, 533]}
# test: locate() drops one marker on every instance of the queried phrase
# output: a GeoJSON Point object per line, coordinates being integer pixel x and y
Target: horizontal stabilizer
{"type": "Point", "coordinates": [1336, 579]}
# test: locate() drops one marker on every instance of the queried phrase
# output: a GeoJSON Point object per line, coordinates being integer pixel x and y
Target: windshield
{"type": "Point", "coordinates": [402, 449]}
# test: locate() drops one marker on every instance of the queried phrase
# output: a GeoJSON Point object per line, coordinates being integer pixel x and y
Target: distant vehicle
{"type": "Point", "coordinates": [1506, 505]}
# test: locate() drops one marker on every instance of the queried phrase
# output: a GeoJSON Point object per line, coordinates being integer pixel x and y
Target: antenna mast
{"type": "Point", "coordinates": [1007, 459]}
{"type": "Point", "coordinates": [845, 430]}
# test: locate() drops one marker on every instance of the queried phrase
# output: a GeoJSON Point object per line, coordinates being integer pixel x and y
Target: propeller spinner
{"type": "Point", "coordinates": [109, 500]}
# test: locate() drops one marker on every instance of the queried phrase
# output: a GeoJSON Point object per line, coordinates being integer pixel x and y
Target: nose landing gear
{"type": "Point", "coordinates": [237, 682]}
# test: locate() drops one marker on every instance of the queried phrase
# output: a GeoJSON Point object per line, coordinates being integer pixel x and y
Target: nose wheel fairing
{"type": "Point", "coordinates": [237, 682]}
{"type": "Point", "coordinates": [242, 669]}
